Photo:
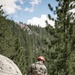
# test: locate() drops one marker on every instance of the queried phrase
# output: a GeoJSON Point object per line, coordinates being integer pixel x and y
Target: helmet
{"type": "Point", "coordinates": [41, 58]}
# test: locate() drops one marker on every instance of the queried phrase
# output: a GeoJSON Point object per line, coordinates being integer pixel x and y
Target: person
{"type": "Point", "coordinates": [38, 68]}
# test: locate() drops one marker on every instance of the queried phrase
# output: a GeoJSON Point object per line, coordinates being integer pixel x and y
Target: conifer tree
{"type": "Point", "coordinates": [64, 33]}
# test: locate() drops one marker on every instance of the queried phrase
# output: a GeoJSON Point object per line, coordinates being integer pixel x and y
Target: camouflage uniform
{"type": "Point", "coordinates": [37, 68]}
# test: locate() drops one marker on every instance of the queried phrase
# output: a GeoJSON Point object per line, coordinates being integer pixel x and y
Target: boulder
{"type": "Point", "coordinates": [8, 67]}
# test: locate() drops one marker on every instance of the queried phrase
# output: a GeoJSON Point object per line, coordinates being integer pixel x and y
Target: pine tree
{"type": "Point", "coordinates": [64, 45]}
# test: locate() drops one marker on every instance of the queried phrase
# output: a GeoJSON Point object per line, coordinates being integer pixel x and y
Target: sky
{"type": "Point", "coordinates": [33, 12]}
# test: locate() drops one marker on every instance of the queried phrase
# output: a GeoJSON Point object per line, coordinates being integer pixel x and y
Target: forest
{"type": "Point", "coordinates": [57, 44]}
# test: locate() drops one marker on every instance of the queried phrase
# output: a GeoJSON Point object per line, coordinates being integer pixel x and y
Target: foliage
{"type": "Point", "coordinates": [22, 45]}
{"type": "Point", "coordinates": [60, 52]}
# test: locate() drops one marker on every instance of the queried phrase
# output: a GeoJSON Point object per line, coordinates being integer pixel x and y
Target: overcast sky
{"type": "Point", "coordinates": [29, 11]}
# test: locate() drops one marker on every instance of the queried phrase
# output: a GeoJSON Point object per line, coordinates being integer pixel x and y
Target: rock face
{"type": "Point", "coordinates": [8, 67]}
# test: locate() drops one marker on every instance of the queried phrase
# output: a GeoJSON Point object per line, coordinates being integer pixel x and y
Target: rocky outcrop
{"type": "Point", "coordinates": [8, 67]}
